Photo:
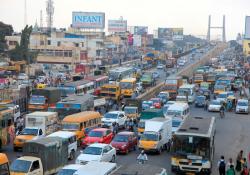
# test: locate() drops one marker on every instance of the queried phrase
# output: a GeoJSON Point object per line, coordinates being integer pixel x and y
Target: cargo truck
{"type": "Point", "coordinates": [42, 99]}
{"type": "Point", "coordinates": [172, 85]}
{"type": "Point", "coordinates": [37, 125]}
{"type": "Point", "coordinates": [45, 156]}
{"type": "Point", "coordinates": [157, 135]}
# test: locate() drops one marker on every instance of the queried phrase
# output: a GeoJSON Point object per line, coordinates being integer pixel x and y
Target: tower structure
{"type": "Point", "coordinates": [50, 13]}
{"type": "Point", "coordinates": [223, 28]}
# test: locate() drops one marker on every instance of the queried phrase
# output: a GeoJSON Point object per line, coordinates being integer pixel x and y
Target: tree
{"type": "Point", "coordinates": [5, 30]}
{"type": "Point", "coordinates": [21, 52]}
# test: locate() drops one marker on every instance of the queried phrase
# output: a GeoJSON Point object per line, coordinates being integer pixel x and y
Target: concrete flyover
{"type": "Point", "coordinates": [189, 70]}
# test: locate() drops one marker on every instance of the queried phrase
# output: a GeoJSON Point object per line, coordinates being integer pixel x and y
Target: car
{"type": "Point", "coordinates": [99, 152]}
{"type": "Point", "coordinates": [215, 106]}
{"type": "Point", "coordinates": [124, 142]}
{"type": "Point", "coordinates": [166, 106]}
{"type": "Point", "coordinates": [160, 66]}
{"type": "Point", "coordinates": [242, 106]}
{"type": "Point", "coordinates": [147, 105]}
{"type": "Point", "coordinates": [98, 135]}
{"type": "Point", "coordinates": [114, 116]}
{"type": "Point", "coordinates": [139, 87]}
{"type": "Point", "coordinates": [164, 96]}
{"type": "Point", "coordinates": [222, 97]}
{"type": "Point", "coordinates": [156, 75]}
{"type": "Point", "coordinates": [156, 102]}
{"type": "Point", "coordinates": [200, 101]}
{"type": "Point", "coordinates": [69, 169]}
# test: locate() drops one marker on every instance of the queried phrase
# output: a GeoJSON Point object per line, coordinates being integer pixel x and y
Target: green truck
{"type": "Point", "coordinates": [146, 115]}
{"type": "Point", "coordinates": [147, 79]}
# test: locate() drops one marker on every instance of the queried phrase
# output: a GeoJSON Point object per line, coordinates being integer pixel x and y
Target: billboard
{"type": "Point", "coordinates": [130, 39]}
{"type": "Point", "coordinates": [137, 41]}
{"type": "Point", "coordinates": [177, 34]}
{"type": "Point", "coordinates": [247, 27]}
{"type": "Point", "coordinates": [88, 20]}
{"type": "Point", "coordinates": [117, 25]}
{"type": "Point", "coordinates": [140, 30]}
{"type": "Point", "coordinates": [165, 33]}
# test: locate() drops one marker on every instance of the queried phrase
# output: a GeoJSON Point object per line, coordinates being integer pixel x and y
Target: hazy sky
{"type": "Point", "coordinates": [192, 15]}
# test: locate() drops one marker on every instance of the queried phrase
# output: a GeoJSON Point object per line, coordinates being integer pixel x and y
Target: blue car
{"type": "Point", "coordinates": [200, 101]}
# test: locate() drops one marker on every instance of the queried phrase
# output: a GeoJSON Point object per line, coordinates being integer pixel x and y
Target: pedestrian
{"type": "Point", "coordinates": [116, 127]}
{"type": "Point", "coordinates": [244, 162]}
{"type": "Point", "coordinates": [222, 166]}
{"type": "Point", "coordinates": [231, 170]}
{"type": "Point", "coordinates": [206, 105]}
{"type": "Point", "coordinates": [245, 171]}
{"type": "Point", "coordinates": [238, 161]}
{"type": "Point", "coordinates": [112, 127]}
{"type": "Point", "coordinates": [230, 163]}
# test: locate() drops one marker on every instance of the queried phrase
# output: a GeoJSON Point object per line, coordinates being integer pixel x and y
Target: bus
{"type": "Point", "coordinates": [128, 86]}
{"type": "Point", "coordinates": [119, 73]}
{"type": "Point", "coordinates": [98, 80]}
{"type": "Point", "coordinates": [6, 121]}
{"type": "Point", "coordinates": [77, 87]}
{"type": "Point", "coordinates": [186, 92]}
{"type": "Point", "coordinates": [111, 91]}
{"type": "Point", "coordinates": [193, 146]}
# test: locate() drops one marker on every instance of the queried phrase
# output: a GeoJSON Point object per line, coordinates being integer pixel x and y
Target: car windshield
{"type": "Point", "coordinates": [242, 103]}
{"type": "Point", "coordinates": [37, 100]}
{"type": "Point", "coordinates": [28, 131]}
{"type": "Point", "coordinates": [215, 102]}
{"type": "Point", "coordinates": [95, 134]}
{"type": "Point", "coordinates": [129, 110]}
{"type": "Point", "coordinates": [222, 96]}
{"type": "Point", "coordinates": [200, 98]}
{"type": "Point", "coordinates": [70, 126]}
{"type": "Point", "coordinates": [176, 123]}
{"type": "Point", "coordinates": [126, 85]}
{"type": "Point", "coordinates": [20, 166]}
{"type": "Point", "coordinates": [121, 138]}
{"type": "Point", "coordinates": [173, 112]}
{"type": "Point", "coordinates": [111, 115]}
{"type": "Point", "coordinates": [222, 88]}
{"type": "Point", "coordinates": [149, 137]}
{"type": "Point", "coordinates": [93, 150]}
{"type": "Point", "coordinates": [66, 172]}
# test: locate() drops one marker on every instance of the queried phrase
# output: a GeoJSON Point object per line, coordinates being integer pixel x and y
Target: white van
{"type": "Point", "coordinates": [186, 90]}
{"type": "Point", "coordinates": [69, 169]}
{"type": "Point", "coordinates": [97, 168]}
{"type": "Point", "coordinates": [178, 112]}
{"type": "Point", "coordinates": [71, 137]}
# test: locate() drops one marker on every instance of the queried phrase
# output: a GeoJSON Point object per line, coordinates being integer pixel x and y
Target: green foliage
{"type": "Point", "coordinates": [21, 52]}
{"type": "Point", "coordinates": [5, 30]}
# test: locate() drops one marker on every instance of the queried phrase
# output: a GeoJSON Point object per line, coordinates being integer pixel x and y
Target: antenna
{"type": "Point", "coordinates": [25, 13]}
{"type": "Point", "coordinates": [41, 19]}
{"type": "Point", "coordinates": [50, 13]}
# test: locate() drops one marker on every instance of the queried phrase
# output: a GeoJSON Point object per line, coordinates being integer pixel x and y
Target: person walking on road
{"type": "Point", "coordinates": [230, 163]}
{"type": "Point", "coordinates": [238, 161]}
{"type": "Point", "coordinates": [245, 171]}
{"type": "Point", "coordinates": [231, 170]}
{"type": "Point", "coordinates": [222, 166]}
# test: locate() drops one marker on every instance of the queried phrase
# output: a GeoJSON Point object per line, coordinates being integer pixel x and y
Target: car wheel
{"type": "Point", "coordinates": [113, 159]}
{"type": "Point", "coordinates": [72, 155]}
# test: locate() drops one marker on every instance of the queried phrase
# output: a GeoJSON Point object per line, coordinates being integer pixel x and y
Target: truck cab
{"type": "Point", "coordinates": [4, 165]}
{"type": "Point", "coordinates": [27, 165]}
{"type": "Point", "coordinates": [27, 134]}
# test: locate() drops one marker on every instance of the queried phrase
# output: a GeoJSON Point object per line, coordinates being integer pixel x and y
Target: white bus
{"type": "Point", "coordinates": [178, 112]}
{"type": "Point", "coordinates": [186, 90]}
{"type": "Point", "coordinates": [119, 73]}
{"type": "Point", "coordinates": [193, 146]}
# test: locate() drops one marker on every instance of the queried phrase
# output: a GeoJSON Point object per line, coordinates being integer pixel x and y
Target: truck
{"type": "Point", "coordinates": [42, 99]}
{"type": "Point", "coordinates": [37, 125]}
{"type": "Point", "coordinates": [45, 156]}
{"type": "Point", "coordinates": [170, 62]}
{"type": "Point", "coordinates": [146, 115]}
{"type": "Point", "coordinates": [198, 78]}
{"type": "Point", "coordinates": [147, 79]}
{"type": "Point", "coordinates": [157, 135]}
{"type": "Point", "coordinates": [172, 85]}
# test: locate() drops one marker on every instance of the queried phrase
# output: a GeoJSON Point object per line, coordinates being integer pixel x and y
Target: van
{"type": "Point", "coordinates": [81, 123]}
{"type": "Point", "coordinates": [104, 168]}
{"type": "Point", "coordinates": [4, 165]}
{"type": "Point", "coordinates": [72, 142]}
{"type": "Point", "coordinates": [37, 125]}
{"type": "Point", "coordinates": [157, 135]}
{"type": "Point", "coordinates": [178, 112]}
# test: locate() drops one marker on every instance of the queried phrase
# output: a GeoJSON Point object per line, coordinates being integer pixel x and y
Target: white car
{"type": "Point", "coordinates": [97, 152]}
{"type": "Point", "coordinates": [215, 105]}
{"type": "Point", "coordinates": [160, 66]}
{"type": "Point", "coordinates": [114, 116]}
{"type": "Point", "coordinates": [69, 169]}
{"type": "Point", "coordinates": [242, 106]}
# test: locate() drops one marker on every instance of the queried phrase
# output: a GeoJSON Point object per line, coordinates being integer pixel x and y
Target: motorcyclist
{"type": "Point", "coordinates": [222, 112]}
{"type": "Point", "coordinates": [142, 158]}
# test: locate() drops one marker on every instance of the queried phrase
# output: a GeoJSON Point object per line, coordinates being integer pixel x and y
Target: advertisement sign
{"type": "Point", "coordinates": [177, 34]}
{"type": "Point", "coordinates": [140, 30]}
{"type": "Point", "coordinates": [88, 20]}
{"type": "Point", "coordinates": [117, 25]}
{"type": "Point", "coordinates": [165, 33]}
{"type": "Point", "coordinates": [247, 27]}
{"type": "Point", "coordinates": [137, 41]}
{"type": "Point", "coordinates": [130, 39]}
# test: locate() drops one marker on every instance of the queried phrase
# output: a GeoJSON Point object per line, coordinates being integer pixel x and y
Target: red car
{"type": "Point", "coordinates": [156, 102]}
{"type": "Point", "coordinates": [98, 135]}
{"type": "Point", "coordinates": [124, 142]}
